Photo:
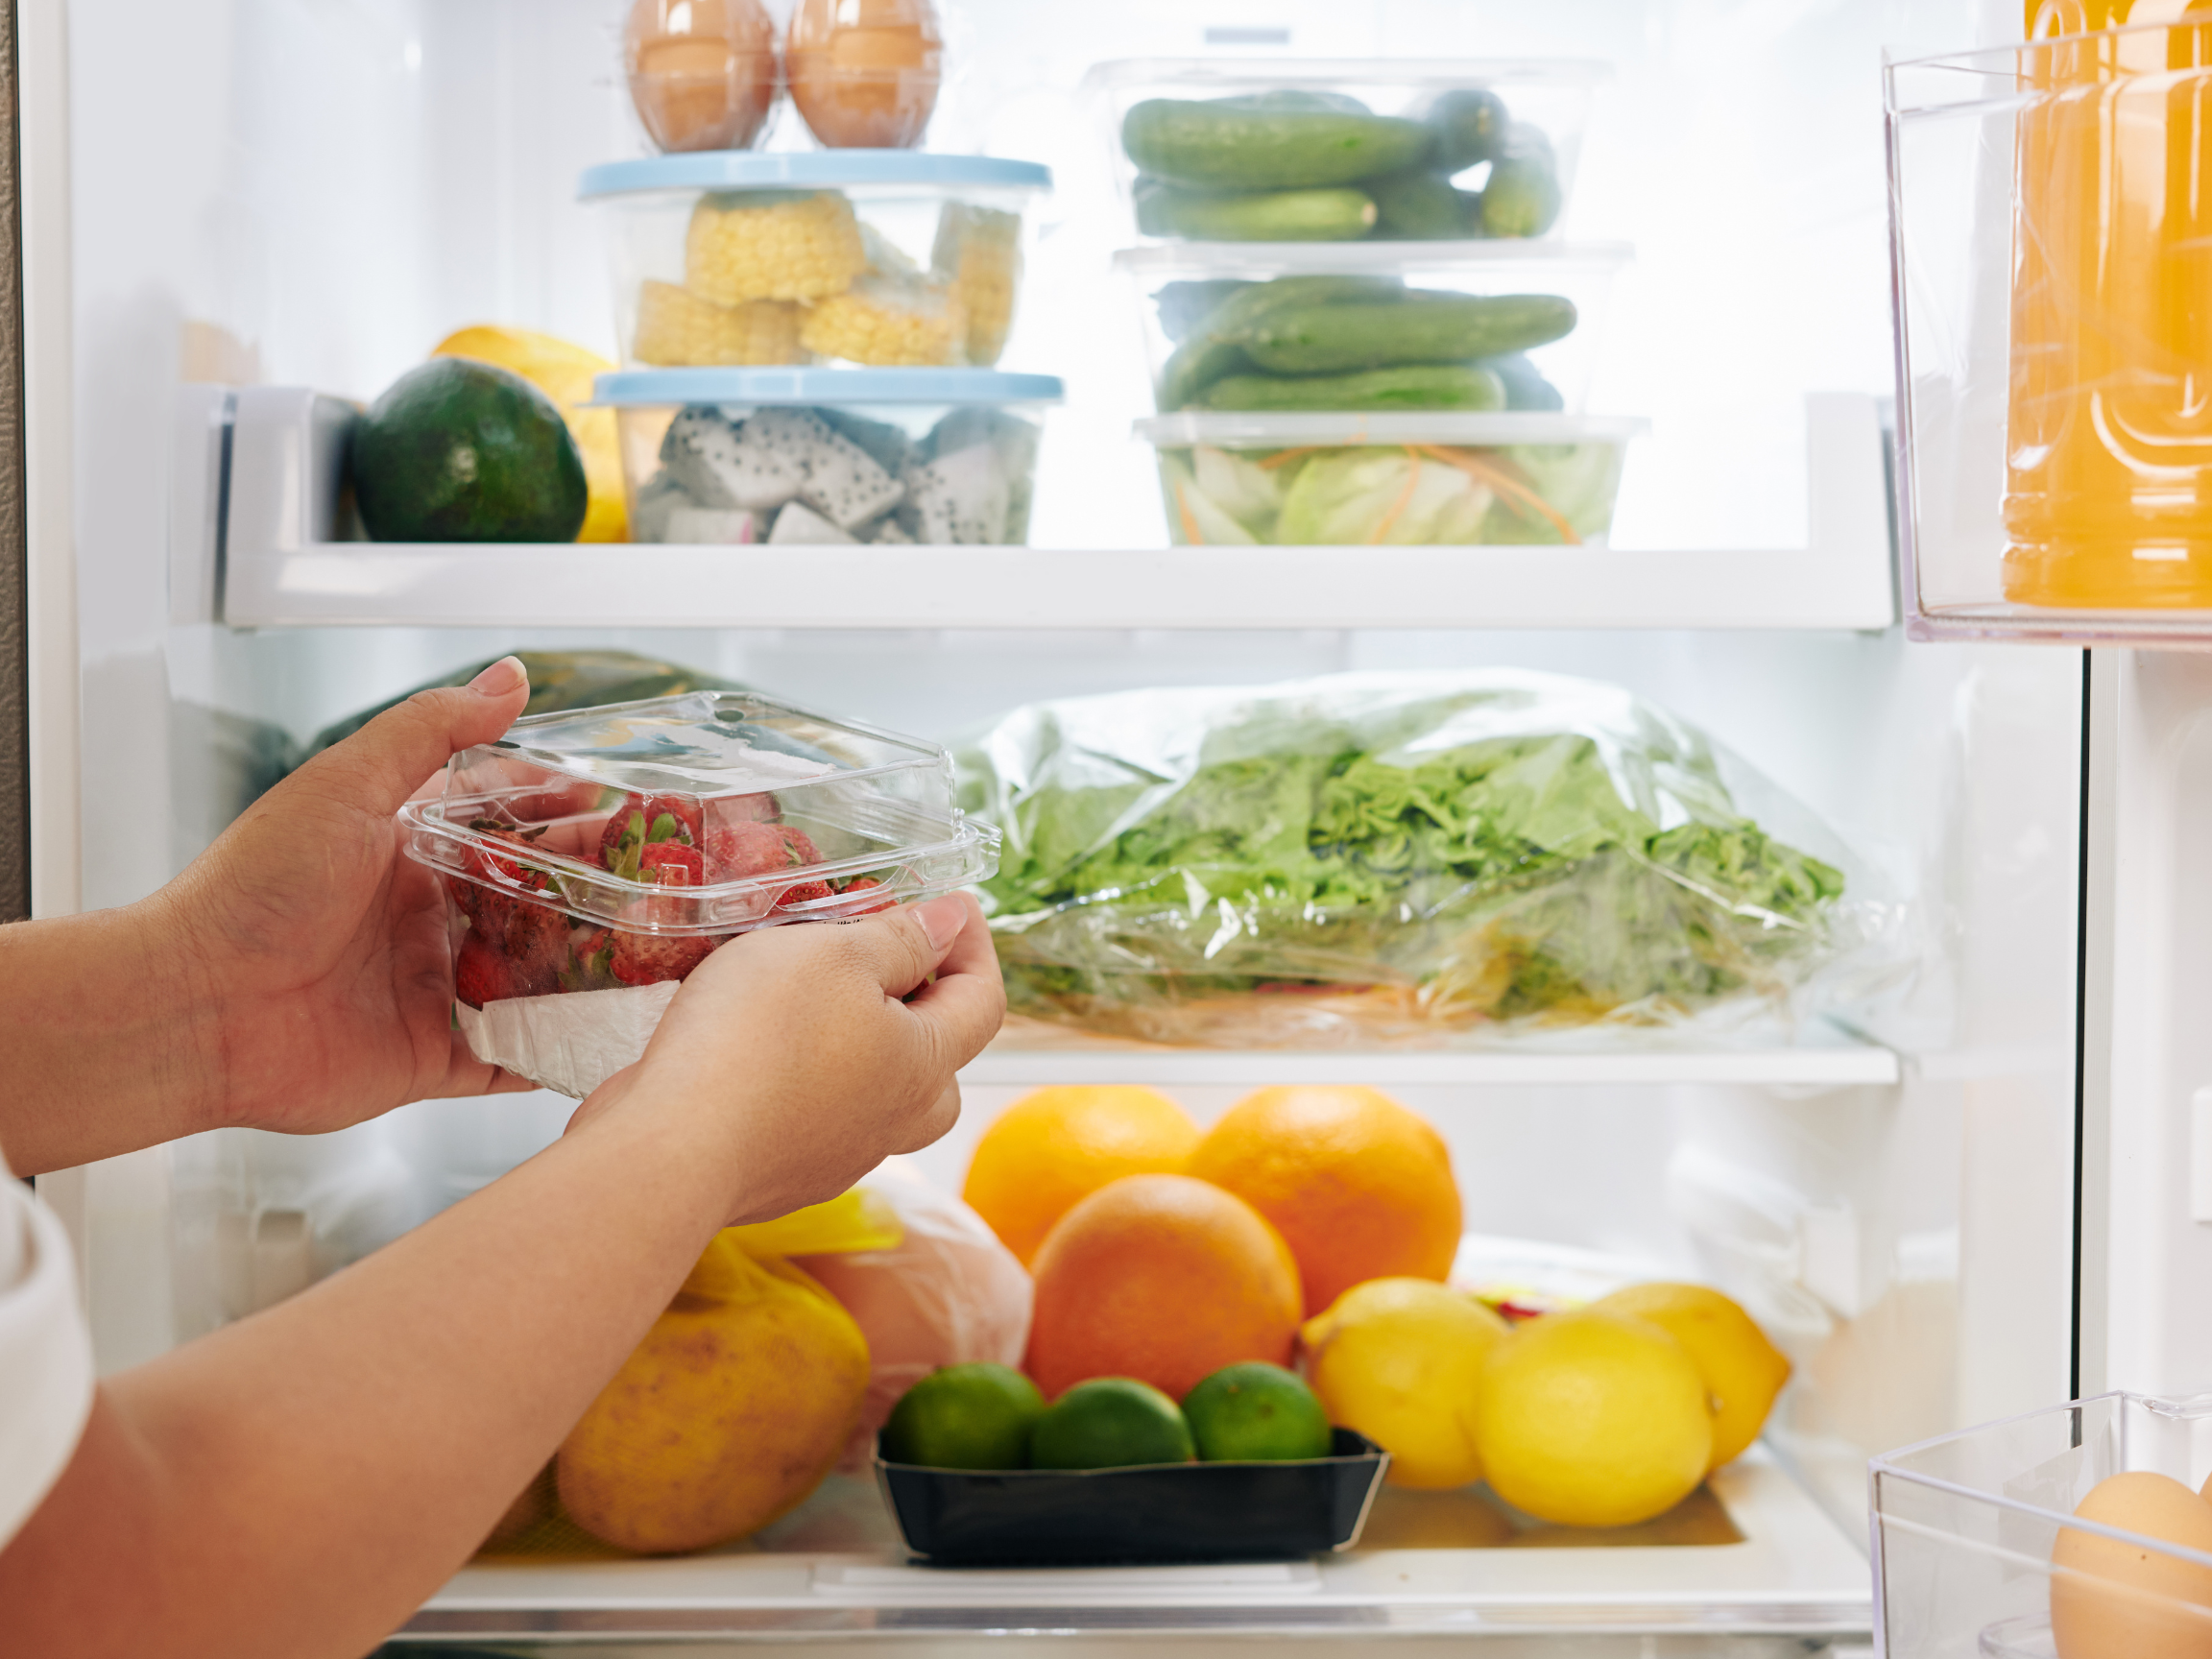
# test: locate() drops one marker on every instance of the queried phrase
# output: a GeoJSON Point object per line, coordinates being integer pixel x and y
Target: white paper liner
{"type": "Point", "coordinates": [568, 1042]}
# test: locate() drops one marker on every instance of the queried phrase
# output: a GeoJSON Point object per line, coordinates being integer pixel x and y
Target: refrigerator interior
{"type": "Point", "coordinates": [308, 193]}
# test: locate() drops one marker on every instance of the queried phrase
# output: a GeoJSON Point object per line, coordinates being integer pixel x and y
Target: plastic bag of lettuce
{"type": "Point", "coordinates": [1396, 859]}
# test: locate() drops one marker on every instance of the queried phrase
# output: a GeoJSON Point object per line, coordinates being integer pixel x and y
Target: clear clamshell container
{"type": "Point", "coordinates": [1320, 150]}
{"type": "Point", "coordinates": [744, 457]}
{"type": "Point", "coordinates": [1390, 480]}
{"type": "Point", "coordinates": [885, 258]}
{"type": "Point", "coordinates": [1362, 329]}
{"type": "Point", "coordinates": [1978, 1550]}
{"type": "Point", "coordinates": [592, 860]}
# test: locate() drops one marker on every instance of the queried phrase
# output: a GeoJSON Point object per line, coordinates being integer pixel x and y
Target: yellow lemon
{"type": "Point", "coordinates": [564, 374]}
{"type": "Point", "coordinates": [1397, 1359]}
{"type": "Point", "coordinates": [1592, 1419]}
{"type": "Point", "coordinates": [1742, 1371]}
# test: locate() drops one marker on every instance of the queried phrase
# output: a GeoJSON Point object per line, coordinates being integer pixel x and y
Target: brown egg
{"type": "Point", "coordinates": [702, 72]}
{"type": "Point", "coordinates": [2116, 1600]}
{"type": "Point", "coordinates": [864, 72]}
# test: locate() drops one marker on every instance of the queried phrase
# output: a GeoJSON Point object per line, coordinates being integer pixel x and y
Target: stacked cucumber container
{"type": "Point", "coordinates": [1361, 326]}
{"type": "Point", "coordinates": [808, 344]}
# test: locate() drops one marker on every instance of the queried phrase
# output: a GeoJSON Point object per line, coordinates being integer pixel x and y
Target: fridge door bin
{"type": "Point", "coordinates": [1182, 1512]}
{"type": "Point", "coordinates": [1965, 1528]}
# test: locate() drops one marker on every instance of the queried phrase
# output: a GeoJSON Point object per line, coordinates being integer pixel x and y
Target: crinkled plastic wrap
{"type": "Point", "coordinates": [1403, 859]}
{"type": "Point", "coordinates": [947, 1293]}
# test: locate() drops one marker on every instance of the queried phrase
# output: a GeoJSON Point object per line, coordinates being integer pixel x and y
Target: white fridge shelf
{"type": "Point", "coordinates": [1013, 1063]}
{"type": "Point", "coordinates": [258, 480]}
{"type": "Point", "coordinates": [835, 1568]}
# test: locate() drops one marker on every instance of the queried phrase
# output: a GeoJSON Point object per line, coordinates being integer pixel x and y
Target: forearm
{"type": "Point", "coordinates": [108, 1046]}
{"type": "Point", "coordinates": [297, 1483]}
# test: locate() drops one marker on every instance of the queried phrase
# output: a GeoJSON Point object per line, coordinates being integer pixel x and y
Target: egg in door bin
{"type": "Point", "coordinates": [702, 72]}
{"type": "Point", "coordinates": [2112, 1600]}
{"type": "Point", "coordinates": [864, 72]}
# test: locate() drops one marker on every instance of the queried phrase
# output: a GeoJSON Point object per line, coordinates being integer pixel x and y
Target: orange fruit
{"type": "Point", "coordinates": [1056, 1146]}
{"type": "Point", "coordinates": [1358, 1186]}
{"type": "Point", "coordinates": [1164, 1279]}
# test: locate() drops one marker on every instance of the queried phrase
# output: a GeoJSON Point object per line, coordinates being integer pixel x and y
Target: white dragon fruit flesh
{"type": "Point", "coordinates": [957, 498]}
{"type": "Point", "coordinates": [799, 524]}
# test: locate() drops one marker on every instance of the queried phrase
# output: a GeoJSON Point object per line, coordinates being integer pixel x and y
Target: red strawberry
{"type": "Point", "coordinates": [651, 958]}
{"type": "Point", "coordinates": [742, 849]}
{"type": "Point", "coordinates": [644, 819]}
{"type": "Point", "coordinates": [866, 884]}
{"type": "Point", "coordinates": [480, 974]}
{"type": "Point", "coordinates": [536, 945]}
{"type": "Point", "coordinates": [670, 864]}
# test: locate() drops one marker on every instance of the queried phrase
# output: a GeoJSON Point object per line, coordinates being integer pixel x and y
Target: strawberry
{"type": "Point", "coordinates": [650, 958]}
{"type": "Point", "coordinates": [866, 884]}
{"type": "Point", "coordinates": [642, 820]}
{"type": "Point", "coordinates": [536, 945]}
{"type": "Point", "coordinates": [670, 864]}
{"type": "Point", "coordinates": [742, 849]}
{"type": "Point", "coordinates": [480, 974]}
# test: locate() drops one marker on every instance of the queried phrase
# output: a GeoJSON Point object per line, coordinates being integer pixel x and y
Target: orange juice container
{"type": "Point", "coordinates": [2108, 447]}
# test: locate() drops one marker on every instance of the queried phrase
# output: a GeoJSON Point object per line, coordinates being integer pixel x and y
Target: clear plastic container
{"type": "Point", "coordinates": [2052, 256]}
{"type": "Point", "coordinates": [887, 258]}
{"type": "Point", "coordinates": [590, 860]}
{"type": "Point", "coordinates": [1275, 328]}
{"type": "Point", "coordinates": [1390, 480]}
{"type": "Point", "coordinates": [1966, 1528]}
{"type": "Point", "coordinates": [742, 457]}
{"type": "Point", "coordinates": [1378, 149]}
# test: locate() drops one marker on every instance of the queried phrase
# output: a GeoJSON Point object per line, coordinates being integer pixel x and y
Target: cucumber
{"type": "Point", "coordinates": [1363, 334]}
{"type": "Point", "coordinates": [1231, 146]}
{"type": "Point", "coordinates": [1522, 198]}
{"type": "Point", "coordinates": [1293, 98]}
{"type": "Point", "coordinates": [1183, 305]}
{"type": "Point", "coordinates": [1470, 128]}
{"type": "Point", "coordinates": [1212, 349]}
{"type": "Point", "coordinates": [1340, 214]}
{"type": "Point", "coordinates": [1525, 387]}
{"type": "Point", "coordinates": [1415, 386]}
{"type": "Point", "coordinates": [1420, 207]}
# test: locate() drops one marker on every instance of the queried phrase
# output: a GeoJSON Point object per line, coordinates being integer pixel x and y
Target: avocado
{"type": "Point", "coordinates": [458, 450]}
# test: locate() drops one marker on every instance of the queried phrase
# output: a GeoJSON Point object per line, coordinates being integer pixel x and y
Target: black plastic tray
{"type": "Point", "coordinates": [1154, 1512]}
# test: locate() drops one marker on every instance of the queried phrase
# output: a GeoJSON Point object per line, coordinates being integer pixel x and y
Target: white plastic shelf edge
{"type": "Point", "coordinates": [1036, 1068]}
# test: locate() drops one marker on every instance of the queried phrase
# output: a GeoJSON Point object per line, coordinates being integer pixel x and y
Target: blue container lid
{"type": "Point", "coordinates": [657, 388]}
{"type": "Point", "coordinates": [809, 170]}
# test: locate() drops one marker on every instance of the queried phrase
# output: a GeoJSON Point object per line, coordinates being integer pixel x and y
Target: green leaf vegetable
{"type": "Point", "coordinates": [1502, 878]}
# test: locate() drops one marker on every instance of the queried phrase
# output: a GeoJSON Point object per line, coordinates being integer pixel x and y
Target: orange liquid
{"type": "Point", "coordinates": [2108, 498]}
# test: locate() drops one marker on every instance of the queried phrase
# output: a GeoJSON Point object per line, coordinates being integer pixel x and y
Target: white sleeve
{"type": "Point", "coordinates": [46, 1354]}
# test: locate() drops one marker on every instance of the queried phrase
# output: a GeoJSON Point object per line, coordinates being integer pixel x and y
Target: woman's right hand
{"type": "Point", "coordinates": [800, 1057]}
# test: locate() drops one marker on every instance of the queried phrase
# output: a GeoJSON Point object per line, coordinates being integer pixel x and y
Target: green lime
{"type": "Point", "coordinates": [1107, 1423]}
{"type": "Point", "coordinates": [1255, 1413]}
{"type": "Point", "coordinates": [964, 1417]}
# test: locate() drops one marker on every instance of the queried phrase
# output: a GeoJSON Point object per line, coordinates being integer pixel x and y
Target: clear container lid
{"type": "Point", "coordinates": [810, 170]}
{"type": "Point", "coordinates": [707, 813]}
{"type": "Point", "coordinates": [657, 388]}
{"type": "Point", "coordinates": [1224, 430]}
{"type": "Point", "coordinates": [1527, 260]}
{"type": "Point", "coordinates": [1229, 76]}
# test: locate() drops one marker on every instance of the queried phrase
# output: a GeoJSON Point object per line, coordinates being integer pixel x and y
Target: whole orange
{"type": "Point", "coordinates": [1055, 1146]}
{"type": "Point", "coordinates": [1358, 1186]}
{"type": "Point", "coordinates": [1164, 1279]}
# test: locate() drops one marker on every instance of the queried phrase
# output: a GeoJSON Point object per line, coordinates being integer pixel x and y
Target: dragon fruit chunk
{"type": "Point", "coordinates": [961, 498]}
{"type": "Point", "coordinates": [845, 485]}
{"type": "Point", "coordinates": [658, 496]}
{"type": "Point", "coordinates": [710, 526]}
{"type": "Point", "coordinates": [797, 524]}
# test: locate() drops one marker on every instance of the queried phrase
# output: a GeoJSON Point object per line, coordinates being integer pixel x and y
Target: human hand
{"type": "Point", "coordinates": [314, 956]}
{"type": "Point", "coordinates": [803, 1056]}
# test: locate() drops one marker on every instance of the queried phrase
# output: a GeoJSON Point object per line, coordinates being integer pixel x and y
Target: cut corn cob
{"type": "Point", "coordinates": [979, 253]}
{"type": "Point", "coordinates": [772, 246]}
{"type": "Point", "coordinates": [677, 329]}
{"type": "Point", "coordinates": [887, 324]}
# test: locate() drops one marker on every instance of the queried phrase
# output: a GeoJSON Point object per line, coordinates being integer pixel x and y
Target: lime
{"type": "Point", "coordinates": [1255, 1412]}
{"type": "Point", "coordinates": [964, 1417]}
{"type": "Point", "coordinates": [1107, 1423]}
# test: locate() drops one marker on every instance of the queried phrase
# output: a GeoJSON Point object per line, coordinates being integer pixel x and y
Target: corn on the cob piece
{"type": "Point", "coordinates": [678, 329]}
{"type": "Point", "coordinates": [978, 254]}
{"type": "Point", "coordinates": [772, 246]}
{"type": "Point", "coordinates": [887, 324]}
